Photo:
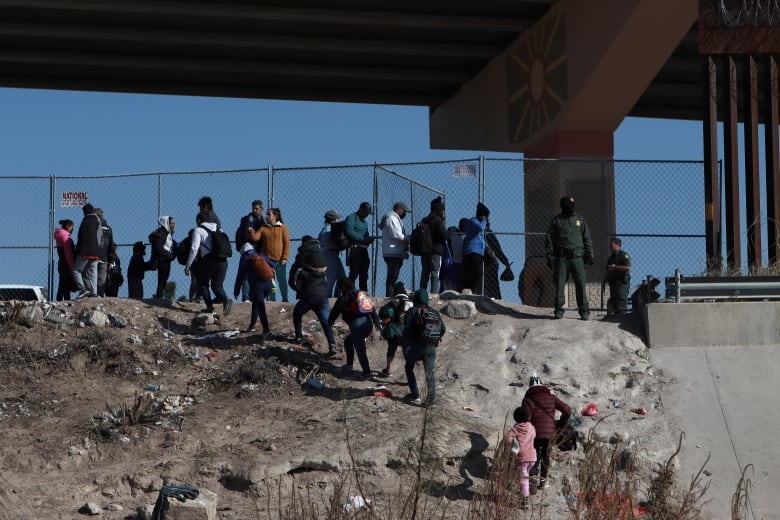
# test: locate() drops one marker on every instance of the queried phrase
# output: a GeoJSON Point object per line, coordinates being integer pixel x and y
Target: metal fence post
{"type": "Point", "coordinates": [52, 224]}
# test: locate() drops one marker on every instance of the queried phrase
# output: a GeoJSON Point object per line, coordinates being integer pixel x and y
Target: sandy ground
{"type": "Point", "coordinates": [234, 415]}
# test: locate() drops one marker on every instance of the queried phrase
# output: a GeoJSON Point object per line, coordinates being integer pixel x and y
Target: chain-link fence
{"type": "Point", "coordinates": [655, 207]}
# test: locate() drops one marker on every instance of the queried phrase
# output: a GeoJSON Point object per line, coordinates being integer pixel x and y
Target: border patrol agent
{"type": "Point", "coordinates": [568, 248]}
{"type": "Point", "coordinates": [618, 278]}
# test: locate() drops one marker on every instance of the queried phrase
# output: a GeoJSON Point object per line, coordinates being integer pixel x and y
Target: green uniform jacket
{"type": "Point", "coordinates": [619, 258]}
{"type": "Point", "coordinates": [568, 236]}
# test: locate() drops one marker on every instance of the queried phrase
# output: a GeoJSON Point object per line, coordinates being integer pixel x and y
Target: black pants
{"type": "Point", "coordinates": [473, 272]}
{"type": "Point", "coordinates": [66, 281]}
{"type": "Point", "coordinates": [212, 271]}
{"type": "Point", "coordinates": [163, 273]}
{"type": "Point", "coordinates": [393, 270]}
{"type": "Point", "coordinates": [358, 262]}
{"type": "Point", "coordinates": [542, 465]}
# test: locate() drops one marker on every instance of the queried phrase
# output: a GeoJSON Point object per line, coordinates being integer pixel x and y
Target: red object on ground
{"type": "Point", "coordinates": [640, 411]}
{"type": "Point", "coordinates": [383, 392]}
{"type": "Point", "coordinates": [591, 410]}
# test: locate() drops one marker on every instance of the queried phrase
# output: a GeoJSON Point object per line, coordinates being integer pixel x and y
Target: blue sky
{"type": "Point", "coordinates": [67, 133]}
{"type": "Point", "coordinates": [72, 133]}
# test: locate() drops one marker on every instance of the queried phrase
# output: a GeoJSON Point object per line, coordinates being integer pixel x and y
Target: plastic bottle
{"type": "Point", "coordinates": [152, 388]}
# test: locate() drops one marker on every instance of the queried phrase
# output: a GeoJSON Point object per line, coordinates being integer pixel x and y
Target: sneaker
{"type": "Point", "coordinates": [83, 294]}
{"type": "Point", "coordinates": [332, 350]}
{"type": "Point", "coordinates": [542, 484]}
{"type": "Point", "coordinates": [413, 399]}
{"type": "Point", "coordinates": [227, 307]}
{"type": "Point", "coordinates": [558, 315]}
{"type": "Point", "coordinates": [298, 341]}
{"type": "Point", "coordinates": [385, 373]}
{"type": "Point", "coordinates": [585, 317]}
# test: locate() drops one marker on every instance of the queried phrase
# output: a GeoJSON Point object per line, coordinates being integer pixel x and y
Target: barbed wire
{"type": "Point", "coordinates": [735, 13]}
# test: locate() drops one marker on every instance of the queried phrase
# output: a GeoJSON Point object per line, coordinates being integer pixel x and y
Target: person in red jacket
{"type": "Point", "coordinates": [541, 404]}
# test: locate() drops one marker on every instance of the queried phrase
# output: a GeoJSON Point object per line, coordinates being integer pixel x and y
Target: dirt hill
{"type": "Point", "coordinates": [82, 419]}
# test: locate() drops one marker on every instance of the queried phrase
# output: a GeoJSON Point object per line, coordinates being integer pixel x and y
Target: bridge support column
{"type": "Point", "coordinates": [583, 168]}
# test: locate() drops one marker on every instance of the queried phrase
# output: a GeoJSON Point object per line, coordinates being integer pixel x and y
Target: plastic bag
{"type": "Point", "coordinates": [590, 410]}
{"type": "Point", "coordinates": [507, 275]}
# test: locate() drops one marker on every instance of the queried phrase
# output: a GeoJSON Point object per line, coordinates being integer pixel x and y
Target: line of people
{"type": "Point", "coordinates": [467, 256]}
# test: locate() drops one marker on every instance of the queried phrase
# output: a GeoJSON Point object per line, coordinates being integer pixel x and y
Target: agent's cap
{"type": "Point", "coordinates": [331, 215]}
{"type": "Point", "coordinates": [535, 380]}
{"type": "Point", "coordinates": [567, 203]}
{"type": "Point", "coordinates": [366, 206]}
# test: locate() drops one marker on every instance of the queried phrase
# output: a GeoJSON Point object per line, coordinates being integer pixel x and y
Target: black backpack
{"type": "Point", "coordinates": [421, 242]}
{"type": "Point", "coordinates": [220, 243]}
{"type": "Point", "coordinates": [338, 238]}
{"type": "Point", "coordinates": [183, 251]}
{"type": "Point", "coordinates": [427, 324]}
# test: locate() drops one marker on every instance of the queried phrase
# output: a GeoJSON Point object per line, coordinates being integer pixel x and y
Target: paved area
{"type": "Point", "coordinates": [727, 401]}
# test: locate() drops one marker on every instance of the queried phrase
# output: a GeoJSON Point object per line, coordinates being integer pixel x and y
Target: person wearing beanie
{"type": "Point", "coordinates": [474, 250]}
{"type": "Point", "coordinates": [392, 314]}
{"type": "Point", "coordinates": [540, 404]}
{"type": "Point", "coordinates": [431, 262]}
{"type": "Point", "coordinates": [307, 278]}
{"type": "Point", "coordinates": [395, 243]}
{"type": "Point", "coordinates": [568, 247]}
{"type": "Point", "coordinates": [332, 244]}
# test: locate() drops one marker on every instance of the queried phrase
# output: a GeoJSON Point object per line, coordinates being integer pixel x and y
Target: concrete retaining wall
{"type": "Point", "coordinates": [712, 324]}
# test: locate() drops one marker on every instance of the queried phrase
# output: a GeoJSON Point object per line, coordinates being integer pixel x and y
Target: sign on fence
{"type": "Point", "coordinates": [73, 198]}
{"type": "Point", "coordinates": [465, 170]}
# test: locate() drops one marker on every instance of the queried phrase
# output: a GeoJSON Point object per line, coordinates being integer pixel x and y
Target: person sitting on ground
{"type": "Point", "coordinates": [361, 323]}
{"type": "Point", "coordinates": [541, 404]}
{"type": "Point", "coordinates": [524, 433]}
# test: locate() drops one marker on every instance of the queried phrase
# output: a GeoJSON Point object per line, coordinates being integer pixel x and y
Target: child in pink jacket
{"type": "Point", "coordinates": [524, 433]}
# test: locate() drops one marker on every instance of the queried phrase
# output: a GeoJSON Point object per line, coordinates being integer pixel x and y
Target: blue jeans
{"type": "Point", "coordinates": [321, 310]}
{"type": "Point", "coordinates": [359, 329]}
{"type": "Point", "coordinates": [427, 354]}
{"type": "Point", "coordinates": [258, 292]}
{"type": "Point", "coordinates": [335, 270]}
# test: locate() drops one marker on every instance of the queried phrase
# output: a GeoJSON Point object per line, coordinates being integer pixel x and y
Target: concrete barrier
{"type": "Point", "coordinates": [712, 324]}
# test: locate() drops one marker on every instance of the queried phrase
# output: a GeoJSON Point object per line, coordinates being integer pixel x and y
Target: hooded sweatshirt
{"type": "Point", "coordinates": [419, 299]}
{"type": "Point", "coordinates": [65, 248]}
{"type": "Point", "coordinates": [163, 245]}
{"type": "Point", "coordinates": [524, 433]}
{"type": "Point", "coordinates": [541, 405]}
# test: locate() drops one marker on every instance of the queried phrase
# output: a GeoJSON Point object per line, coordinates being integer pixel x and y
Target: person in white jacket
{"type": "Point", "coordinates": [211, 270]}
{"type": "Point", "coordinates": [395, 243]}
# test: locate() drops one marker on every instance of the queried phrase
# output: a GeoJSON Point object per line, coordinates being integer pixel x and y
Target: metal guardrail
{"type": "Point", "coordinates": [681, 289]}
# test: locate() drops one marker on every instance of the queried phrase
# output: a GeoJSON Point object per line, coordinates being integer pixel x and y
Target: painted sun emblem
{"type": "Point", "coordinates": [536, 77]}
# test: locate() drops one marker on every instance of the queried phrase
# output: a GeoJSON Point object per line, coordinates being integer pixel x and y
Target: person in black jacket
{"type": "Point", "coordinates": [493, 255]}
{"type": "Point", "coordinates": [431, 263]}
{"type": "Point", "coordinates": [85, 268]}
{"type": "Point", "coordinates": [254, 220]}
{"type": "Point", "coordinates": [361, 325]}
{"type": "Point", "coordinates": [312, 291]}
{"type": "Point", "coordinates": [107, 253]}
{"type": "Point", "coordinates": [135, 271]}
{"type": "Point", "coordinates": [164, 249]}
